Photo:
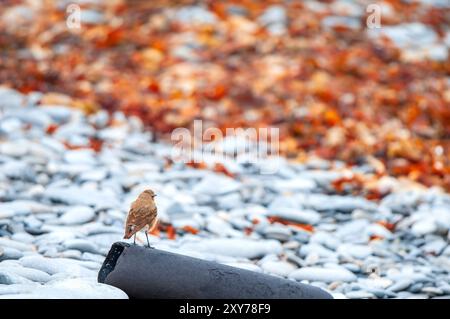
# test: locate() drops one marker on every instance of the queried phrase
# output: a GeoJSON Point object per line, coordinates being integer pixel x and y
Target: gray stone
{"type": "Point", "coordinates": [400, 285]}
{"type": "Point", "coordinates": [274, 19]}
{"type": "Point", "coordinates": [273, 14]}
{"type": "Point", "coordinates": [96, 175]}
{"type": "Point", "coordinates": [375, 282]}
{"type": "Point", "coordinates": [99, 119]}
{"type": "Point", "coordinates": [284, 202]}
{"type": "Point", "coordinates": [210, 185]}
{"type": "Point", "coordinates": [280, 268]}
{"type": "Point", "coordinates": [304, 216]}
{"type": "Point", "coordinates": [378, 231]}
{"type": "Point", "coordinates": [77, 215]}
{"type": "Point", "coordinates": [277, 232]}
{"type": "Point", "coordinates": [14, 149]}
{"type": "Point", "coordinates": [435, 247]}
{"type": "Point", "coordinates": [93, 257]}
{"type": "Point", "coordinates": [80, 157]}
{"type": "Point", "coordinates": [352, 267]}
{"type": "Point", "coordinates": [235, 247]}
{"type": "Point", "coordinates": [195, 15]}
{"type": "Point", "coordinates": [316, 249]}
{"type": "Point", "coordinates": [91, 17]}
{"type": "Point", "coordinates": [15, 289]}
{"type": "Point", "coordinates": [355, 251]}
{"type": "Point", "coordinates": [81, 196]}
{"type": "Point", "coordinates": [424, 227]}
{"type": "Point", "coordinates": [337, 21]}
{"type": "Point", "coordinates": [23, 237]}
{"type": "Point", "coordinates": [35, 117]}
{"type": "Point", "coordinates": [247, 266]}
{"type": "Point", "coordinates": [69, 253]}
{"type": "Point", "coordinates": [416, 288]}
{"type": "Point", "coordinates": [413, 296]}
{"type": "Point", "coordinates": [10, 99]}
{"type": "Point", "coordinates": [218, 226]}
{"type": "Point", "coordinates": [230, 201]}
{"type": "Point", "coordinates": [5, 242]}
{"type": "Point", "coordinates": [432, 291]}
{"type": "Point", "coordinates": [441, 215]}
{"type": "Point", "coordinates": [322, 274]}
{"type": "Point", "coordinates": [106, 240]}
{"type": "Point", "coordinates": [17, 170]}
{"type": "Point", "coordinates": [347, 204]}
{"type": "Point", "coordinates": [72, 288]}
{"type": "Point", "coordinates": [293, 185]}
{"type": "Point", "coordinates": [40, 179]}
{"type": "Point", "coordinates": [404, 37]}
{"type": "Point", "coordinates": [325, 239]}
{"type": "Point", "coordinates": [56, 265]}
{"type": "Point", "coordinates": [353, 231]}
{"type": "Point", "coordinates": [81, 245]}
{"type": "Point", "coordinates": [8, 277]}
{"type": "Point", "coordinates": [28, 273]}
{"type": "Point", "coordinates": [60, 114]}
{"type": "Point", "coordinates": [10, 253]}
{"type": "Point", "coordinates": [292, 257]}
{"type": "Point", "coordinates": [407, 34]}
{"type": "Point", "coordinates": [347, 8]}
{"type": "Point", "coordinates": [360, 294]}
{"type": "Point", "coordinates": [445, 288]}
{"type": "Point", "coordinates": [377, 292]}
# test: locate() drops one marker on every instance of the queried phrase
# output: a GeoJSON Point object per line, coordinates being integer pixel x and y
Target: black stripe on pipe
{"type": "Point", "coordinates": [145, 273]}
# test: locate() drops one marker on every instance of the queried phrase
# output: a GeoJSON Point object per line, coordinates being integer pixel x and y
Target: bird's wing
{"type": "Point", "coordinates": [138, 216]}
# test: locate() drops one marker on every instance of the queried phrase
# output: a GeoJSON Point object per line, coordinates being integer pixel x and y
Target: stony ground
{"type": "Point", "coordinates": [336, 85]}
{"type": "Point", "coordinates": [67, 180]}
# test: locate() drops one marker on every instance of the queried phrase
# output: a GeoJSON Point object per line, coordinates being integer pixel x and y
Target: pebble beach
{"type": "Point", "coordinates": [67, 180]}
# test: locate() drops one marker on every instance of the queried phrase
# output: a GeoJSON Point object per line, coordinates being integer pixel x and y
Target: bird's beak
{"type": "Point", "coordinates": [128, 234]}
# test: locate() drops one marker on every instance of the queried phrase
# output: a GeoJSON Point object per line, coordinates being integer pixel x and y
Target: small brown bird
{"type": "Point", "coordinates": [142, 213]}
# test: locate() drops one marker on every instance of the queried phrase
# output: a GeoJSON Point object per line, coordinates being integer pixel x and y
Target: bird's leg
{"type": "Point", "coordinates": [148, 243]}
{"type": "Point", "coordinates": [134, 241]}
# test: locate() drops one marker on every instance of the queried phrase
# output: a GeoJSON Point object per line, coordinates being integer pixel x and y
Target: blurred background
{"type": "Point", "coordinates": [91, 90]}
{"type": "Point", "coordinates": [336, 88]}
